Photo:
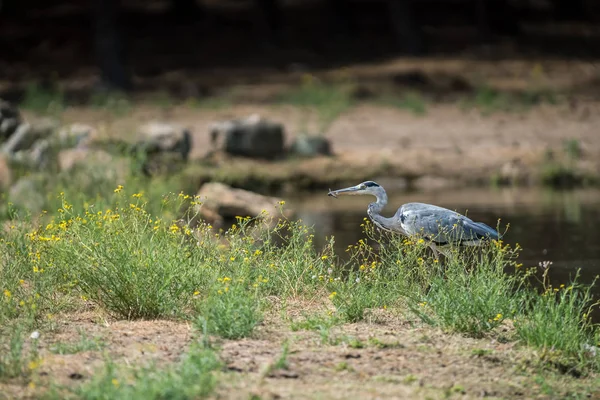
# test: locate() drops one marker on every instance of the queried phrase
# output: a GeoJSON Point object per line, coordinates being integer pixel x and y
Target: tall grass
{"type": "Point", "coordinates": [558, 321]}
{"type": "Point", "coordinates": [193, 377]}
{"type": "Point", "coordinates": [139, 257]}
{"type": "Point", "coordinates": [475, 294]}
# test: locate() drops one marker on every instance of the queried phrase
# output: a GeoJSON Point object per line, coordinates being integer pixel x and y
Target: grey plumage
{"type": "Point", "coordinates": [439, 225]}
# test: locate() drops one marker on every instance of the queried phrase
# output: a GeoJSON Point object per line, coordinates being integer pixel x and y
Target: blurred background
{"type": "Point", "coordinates": [485, 106]}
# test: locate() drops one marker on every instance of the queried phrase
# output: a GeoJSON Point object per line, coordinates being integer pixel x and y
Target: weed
{"type": "Point", "coordinates": [282, 361]}
{"type": "Point", "coordinates": [329, 100]}
{"type": "Point", "coordinates": [475, 294]}
{"type": "Point", "coordinates": [319, 323]}
{"type": "Point", "coordinates": [43, 99]}
{"type": "Point", "coordinates": [115, 102]}
{"type": "Point", "coordinates": [191, 378]}
{"type": "Point", "coordinates": [354, 343]}
{"type": "Point", "coordinates": [411, 101]}
{"type": "Point", "coordinates": [385, 345]}
{"type": "Point", "coordinates": [489, 100]}
{"type": "Point", "coordinates": [231, 311]}
{"type": "Point", "coordinates": [558, 322]}
{"type": "Point", "coordinates": [17, 359]}
{"type": "Point", "coordinates": [83, 344]}
{"type": "Point", "coordinates": [343, 366]}
{"type": "Point", "coordinates": [480, 352]}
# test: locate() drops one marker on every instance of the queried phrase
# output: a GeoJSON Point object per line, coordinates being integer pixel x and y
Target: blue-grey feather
{"type": "Point", "coordinates": [442, 225]}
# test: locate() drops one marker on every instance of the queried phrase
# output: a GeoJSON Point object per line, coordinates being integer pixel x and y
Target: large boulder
{"type": "Point", "coordinates": [70, 158]}
{"type": "Point", "coordinates": [164, 147]}
{"type": "Point", "coordinates": [219, 202]}
{"type": "Point", "coordinates": [160, 137]}
{"type": "Point", "coordinates": [251, 137]}
{"type": "Point", "coordinates": [310, 146]}
{"type": "Point", "coordinates": [29, 133]}
{"type": "Point", "coordinates": [76, 135]}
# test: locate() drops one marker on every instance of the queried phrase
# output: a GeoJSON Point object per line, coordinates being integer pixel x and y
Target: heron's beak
{"type": "Point", "coordinates": [350, 190]}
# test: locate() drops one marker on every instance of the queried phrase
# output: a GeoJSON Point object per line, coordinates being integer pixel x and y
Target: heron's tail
{"type": "Point", "coordinates": [481, 231]}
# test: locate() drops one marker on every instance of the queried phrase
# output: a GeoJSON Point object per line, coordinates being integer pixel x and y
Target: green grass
{"type": "Point", "coordinates": [115, 102]}
{"type": "Point", "coordinates": [328, 100]}
{"type": "Point", "coordinates": [410, 101]}
{"type": "Point", "coordinates": [558, 322]}
{"type": "Point", "coordinates": [475, 299]}
{"type": "Point", "coordinates": [84, 343]}
{"type": "Point", "coordinates": [490, 100]}
{"type": "Point", "coordinates": [192, 377]}
{"type": "Point", "coordinates": [231, 311]}
{"type": "Point", "coordinates": [45, 100]}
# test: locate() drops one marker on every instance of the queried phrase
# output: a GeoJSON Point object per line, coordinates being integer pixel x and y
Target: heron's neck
{"type": "Point", "coordinates": [374, 211]}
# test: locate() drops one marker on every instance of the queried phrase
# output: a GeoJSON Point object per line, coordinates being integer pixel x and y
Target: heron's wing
{"type": "Point", "coordinates": [441, 225]}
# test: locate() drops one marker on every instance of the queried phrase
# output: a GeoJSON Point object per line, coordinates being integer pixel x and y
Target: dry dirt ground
{"type": "Point", "coordinates": [400, 359]}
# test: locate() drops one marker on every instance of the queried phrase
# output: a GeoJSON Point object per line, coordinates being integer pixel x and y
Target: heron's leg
{"type": "Point", "coordinates": [436, 253]}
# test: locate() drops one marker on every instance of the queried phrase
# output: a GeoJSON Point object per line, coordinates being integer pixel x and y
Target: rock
{"type": "Point", "coordinates": [70, 158]}
{"type": "Point", "coordinates": [250, 137]}
{"type": "Point", "coordinates": [220, 201]}
{"type": "Point", "coordinates": [27, 134]}
{"type": "Point", "coordinates": [310, 146]}
{"type": "Point", "coordinates": [76, 135]}
{"type": "Point", "coordinates": [158, 137]}
{"type": "Point", "coordinates": [28, 194]}
{"type": "Point", "coordinates": [10, 119]}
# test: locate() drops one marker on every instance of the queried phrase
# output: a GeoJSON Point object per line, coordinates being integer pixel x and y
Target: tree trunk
{"type": "Point", "coordinates": [569, 10]}
{"type": "Point", "coordinates": [108, 45]}
{"type": "Point", "coordinates": [501, 17]}
{"type": "Point", "coordinates": [272, 14]}
{"type": "Point", "coordinates": [186, 10]}
{"type": "Point", "coordinates": [405, 27]}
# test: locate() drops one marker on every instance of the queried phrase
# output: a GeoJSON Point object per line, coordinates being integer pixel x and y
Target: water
{"type": "Point", "coordinates": [562, 227]}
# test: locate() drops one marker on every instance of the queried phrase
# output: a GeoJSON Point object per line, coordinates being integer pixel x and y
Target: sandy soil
{"type": "Point", "coordinates": [400, 359]}
{"type": "Point", "coordinates": [443, 147]}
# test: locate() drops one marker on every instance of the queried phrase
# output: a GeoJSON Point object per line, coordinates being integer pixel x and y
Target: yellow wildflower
{"type": "Point", "coordinates": [332, 295]}
{"type": "Point", "coordinates": [7, 293]}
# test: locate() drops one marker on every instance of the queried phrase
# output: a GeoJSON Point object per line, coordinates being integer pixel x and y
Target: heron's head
{"type": "Point", "coordinates": [368, 187]}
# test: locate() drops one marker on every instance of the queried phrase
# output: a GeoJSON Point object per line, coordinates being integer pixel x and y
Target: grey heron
{"type": "Point", "coordinates": [440, 226]}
